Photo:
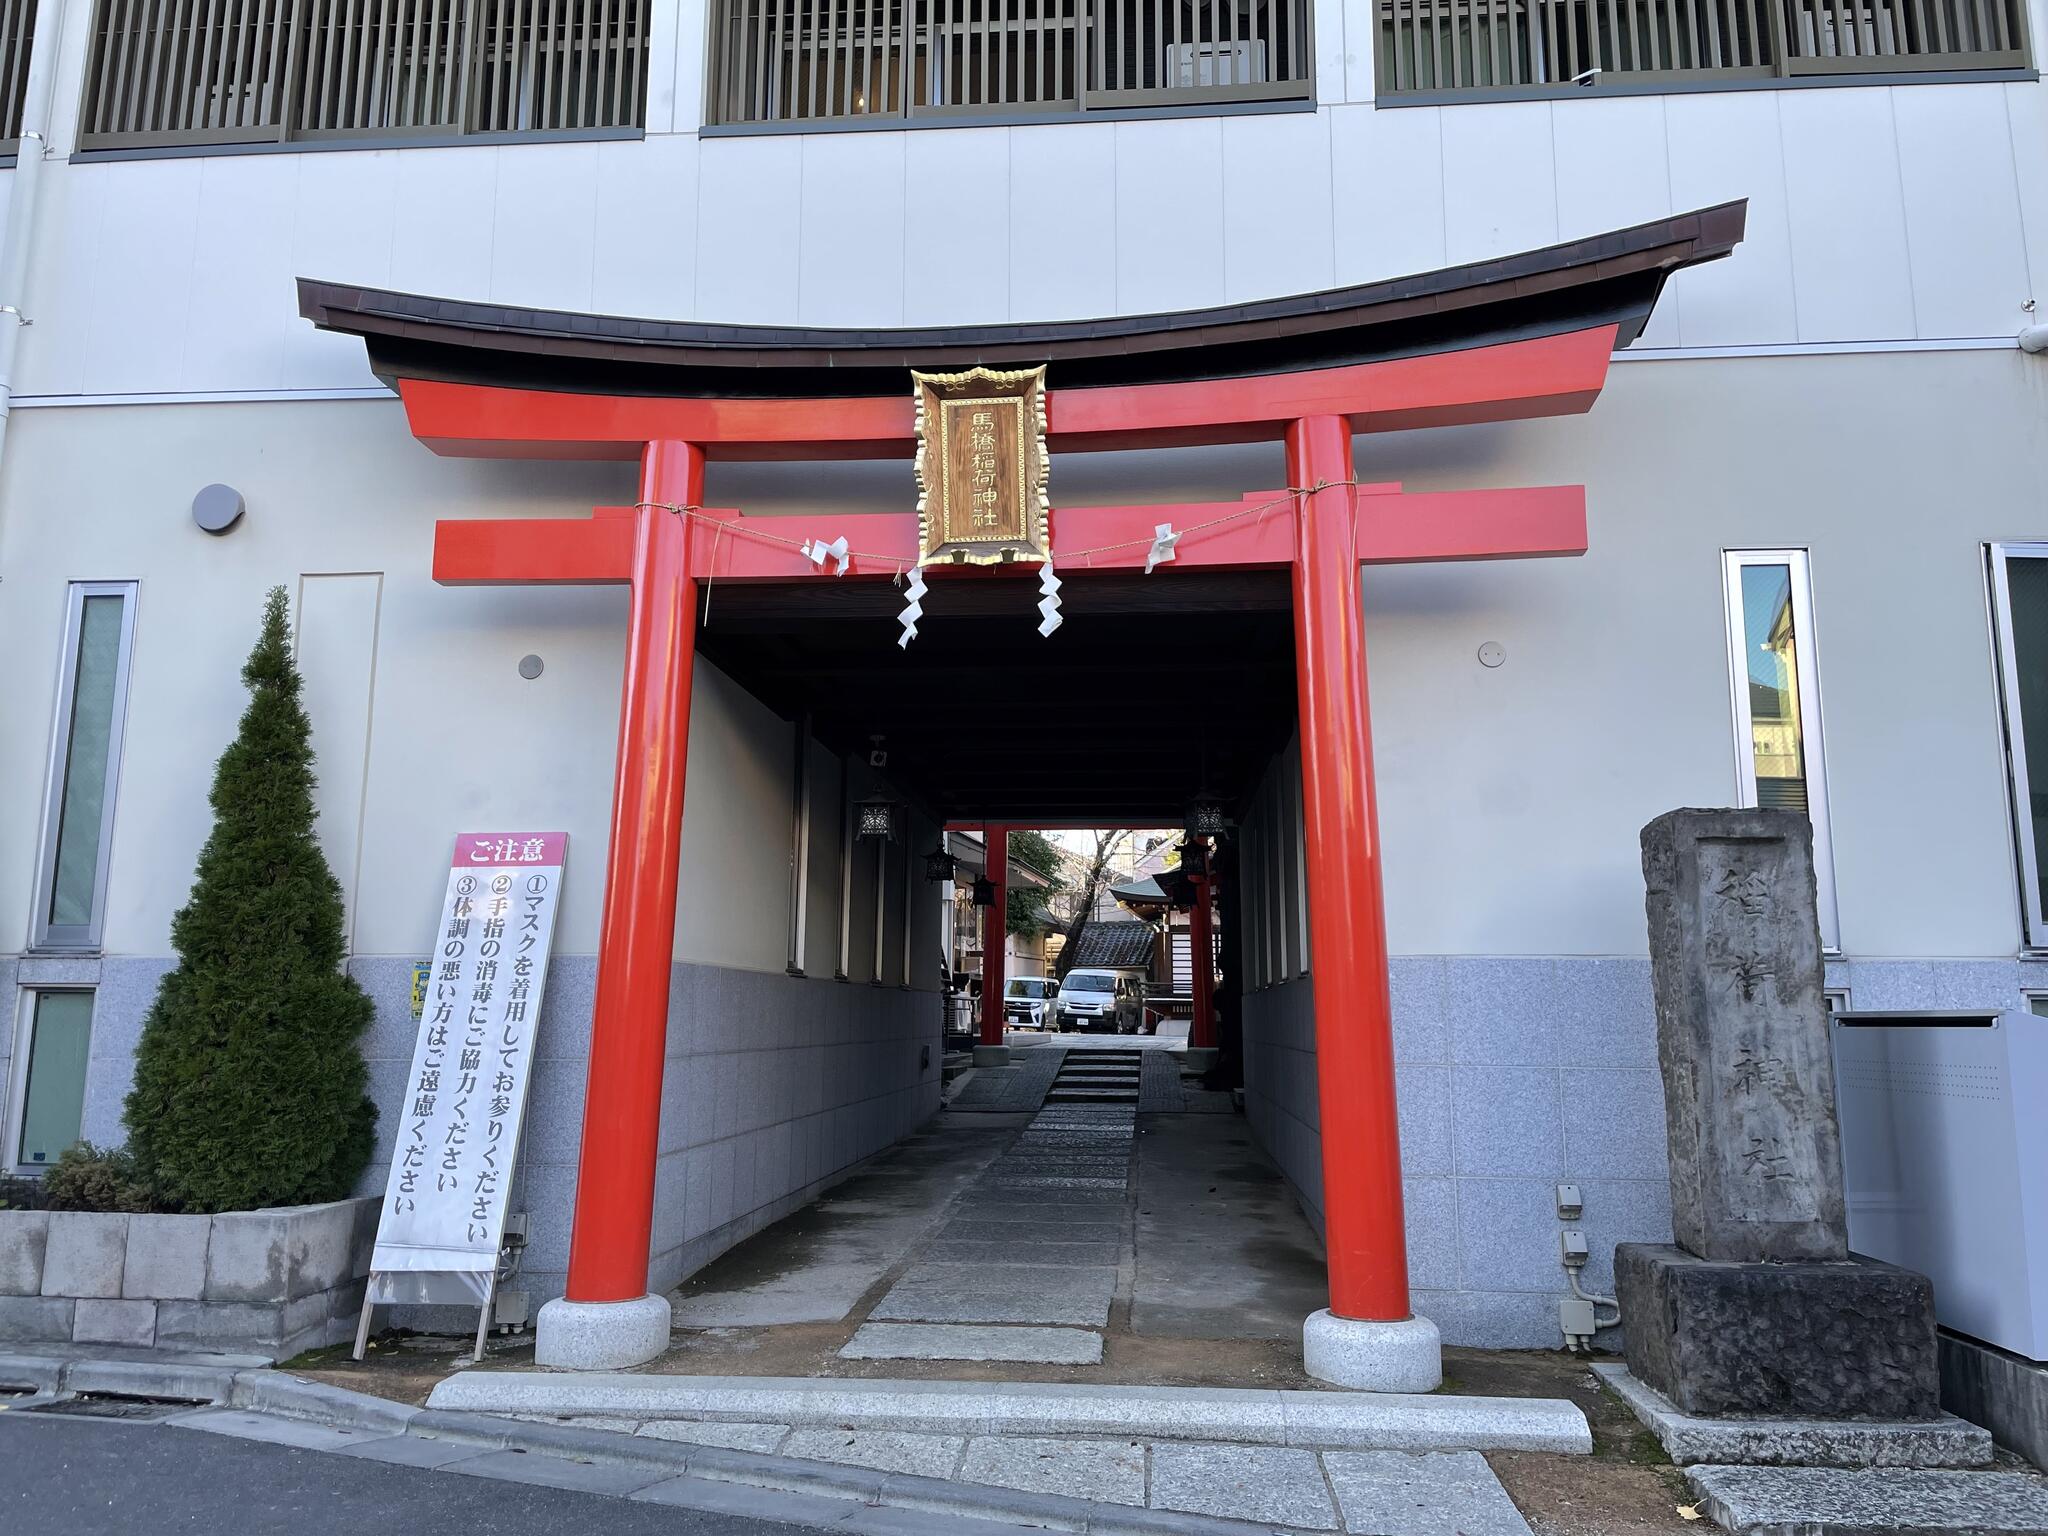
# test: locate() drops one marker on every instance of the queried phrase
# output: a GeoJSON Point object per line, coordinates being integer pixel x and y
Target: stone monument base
{"type": "Point", "coordinates": [1747, 1440]}
{"type": "Point", "coordinates": [1827, 1339]}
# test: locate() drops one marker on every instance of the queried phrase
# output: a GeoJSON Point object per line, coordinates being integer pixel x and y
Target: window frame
{"type": "Point", "coordinates": [2018, 787]}
{"type": "Point", "coordinates": [16, 1119]}
{"type": "Point", "coordinates": [44, 934]}
{"type": "Point", "coordinates": [1813, 730]}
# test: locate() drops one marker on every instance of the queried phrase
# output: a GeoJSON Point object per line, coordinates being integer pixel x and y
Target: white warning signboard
{"type": "Point", "coordinates": [445, 1202]}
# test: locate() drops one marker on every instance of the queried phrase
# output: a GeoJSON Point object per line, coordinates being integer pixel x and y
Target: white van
{"type": "Point", "coordinates": [1094, 998]}
{"type": "Point", "coordinates": [1028, 1001]}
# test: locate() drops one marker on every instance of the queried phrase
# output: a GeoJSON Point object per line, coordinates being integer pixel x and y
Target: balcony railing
{"type": "Point", "coordinates": [808, 61]}
{"type": "Point", "coordinates": [1506, 46]}
{"type": "Point", "coordinates": [17, 29]}
{"type": "Point", "coordinates": [190, 73]}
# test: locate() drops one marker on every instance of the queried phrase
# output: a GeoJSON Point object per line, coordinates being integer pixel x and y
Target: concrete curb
{"type": "Point", "coordinates": [275, 1393]}
{"type": "Point", "coordinates": [1313, 1420]}
{"type": "Point", "coordinates": [38, 1373]}
{"type": "Point", "coordinates": [788, 1474]}
{"type": "Point", "coordinates": [258, 1389]}
{"type": "Point", "coordinates": [133, 1378]}
{"type": "Point", "coordinates": [293, 1397]}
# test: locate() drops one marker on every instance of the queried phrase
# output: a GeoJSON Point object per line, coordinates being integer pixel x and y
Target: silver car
{"type": "Point", "coordinates": [1112, 1002]}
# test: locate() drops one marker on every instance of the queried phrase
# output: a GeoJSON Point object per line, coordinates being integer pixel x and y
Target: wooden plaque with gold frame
{"type": "Point", "coordinates": [981, 466]}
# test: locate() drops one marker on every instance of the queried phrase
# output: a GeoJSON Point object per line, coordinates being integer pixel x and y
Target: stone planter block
{"type": "Point", "coordinates": [35, 1319]}
{"type": "Point", "coordinates": [166, 1257]}
{"type": "Point", "coordinates": [273, 1282]}
{"type": "Point", "coordinates": [248, 1257]}
{"type": "Point", "coordinates": [23, 1237]}
{"type": "Point", "coordinates": [86, 1253]}
{"type": "Point", "coordinates": [115, 1322]}
{"type": "Point", "coordinates": [320, 1240]}
{"type": "Point", "coordinates": [227, 1326]}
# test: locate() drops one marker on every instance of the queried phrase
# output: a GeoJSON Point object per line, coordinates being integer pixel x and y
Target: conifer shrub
{"type": "Point", "coordinates": [90, 1178]}
{"type": "Point", "coordinates": [249, 1077]}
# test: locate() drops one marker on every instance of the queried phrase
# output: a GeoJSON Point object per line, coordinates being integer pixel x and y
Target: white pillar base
{"type": "Point", "coordinates": [1407, 1356]}
{"type": "Point", "coordinates": [601, 1335]}
{"type": "Point", "coordinates": [991, 1055]}
{"type": "Point", "coordinates": [1198, 1059]}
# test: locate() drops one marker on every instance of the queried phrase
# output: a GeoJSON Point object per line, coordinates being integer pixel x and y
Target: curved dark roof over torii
{"type": "Point", "coordinates": [1609, 279]}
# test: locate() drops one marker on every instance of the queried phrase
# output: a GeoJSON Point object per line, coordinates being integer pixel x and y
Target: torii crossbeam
{"type": "Point", "coordinates": [1527, 336]}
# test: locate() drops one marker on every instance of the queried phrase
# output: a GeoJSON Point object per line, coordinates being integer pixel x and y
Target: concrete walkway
{"type": "Point", "coordinates": [1088, 1239]}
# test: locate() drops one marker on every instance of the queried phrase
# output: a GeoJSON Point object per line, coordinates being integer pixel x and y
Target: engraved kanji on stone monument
{"type": "Point", "coordinates": [1742, 1036]}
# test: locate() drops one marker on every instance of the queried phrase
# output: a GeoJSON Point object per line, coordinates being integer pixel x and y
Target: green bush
{"type": "Point", "coordinates": [249, 1078]}
{"type": "Point", "coordinates": [90, 1178]}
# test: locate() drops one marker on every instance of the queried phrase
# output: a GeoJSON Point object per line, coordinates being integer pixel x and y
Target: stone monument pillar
{"type": "Point", "coordinates": [1760, 1308]}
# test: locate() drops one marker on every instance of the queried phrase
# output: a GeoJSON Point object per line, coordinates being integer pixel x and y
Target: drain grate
{"type": "Point", "coordinates": [117, 1405]}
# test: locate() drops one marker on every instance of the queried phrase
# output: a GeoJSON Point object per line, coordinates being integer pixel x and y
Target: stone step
{"type": "Point", "coordinates": [1872, 1501]}
{"type": "Point", "coordinates": [1692, 1440]}
{"type": "Point", "coordinates": [1120, 1079]}
{"type": "Point", "coordinates": [1236, 1415]}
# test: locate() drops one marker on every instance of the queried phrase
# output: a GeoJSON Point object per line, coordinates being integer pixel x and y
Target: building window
{"type": "Point", "coordinates": [188, 74]}
{"type": "Point", "coordinates": [57, 1039]}
{"type": "Point", "coordinates": [85, 760]}
{"type": "Point", "coordinates": [1441, 47]}
{"type": "Point", "coordinates": [1779, 758]}
{"type": "Point", "coordinates": [17, 32]}
{"type": "Point", "coordinates": [2019, 605]}
{"type": "Point", "coordinates": [799, 61]}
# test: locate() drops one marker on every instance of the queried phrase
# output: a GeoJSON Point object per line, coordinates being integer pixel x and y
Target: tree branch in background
{"type": "Point", "coordinates": [1106, 844]}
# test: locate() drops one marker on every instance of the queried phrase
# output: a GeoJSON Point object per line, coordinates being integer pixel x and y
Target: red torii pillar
{"type": "Point", "coordinates": [1367, 1337]}
{"type": "Point", "coordinates": [1364, 1230]}
{"type": "Point", "coordinates": [995, 933]}
{"type": "Point", "coordinates": [1202, 960]}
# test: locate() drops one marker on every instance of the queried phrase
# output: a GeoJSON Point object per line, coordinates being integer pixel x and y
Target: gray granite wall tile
{"type": "Point", "coordinates": [1507, 1122]}
{"type": "Point", "coordinates": [1431, 1208]}
{"type": "Point", "coordinates": [1607, 1013]}
{"type": "Point", "coordinates": [1504, 1012]}
{"type": "Point", "coordinates": [1492, 1319]}
{"type": "Point", "coordinates": [1507, 1235]}
{"type": "Point", "coordinates": [1422, 1030]}
{"type": "Point", "coordinates": [1614, 1124]}
{"type": "Point", "coordinates": [127, 990]}
{"type": "Point", "coordinates": [1424, 1095]}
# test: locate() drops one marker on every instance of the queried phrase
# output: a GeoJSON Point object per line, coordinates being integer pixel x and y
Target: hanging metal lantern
{"type": "Point", "coordinates": [1205, 818]}
{"type": "Point", "coordinates": [939, 864]}
{"type": "Point", "coordinates": [876, 818]}
{"type": "Point", "coordinates": [984, 892]}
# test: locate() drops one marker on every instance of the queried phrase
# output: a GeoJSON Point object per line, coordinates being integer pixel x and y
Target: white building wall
{"type": "Point", "coordinates": [1882, 213]}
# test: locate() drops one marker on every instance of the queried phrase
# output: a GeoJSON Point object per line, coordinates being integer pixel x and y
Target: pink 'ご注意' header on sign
{"type": "Point", "coordinates": [480, 850]}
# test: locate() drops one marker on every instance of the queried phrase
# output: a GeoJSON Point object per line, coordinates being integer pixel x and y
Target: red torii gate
{"type": "Point", "coordinates": [1321, 528]}
{"type": "Point", "coordinates": [1322, 531]}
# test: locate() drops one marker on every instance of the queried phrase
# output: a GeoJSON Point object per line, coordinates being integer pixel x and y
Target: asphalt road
{"type": "Point", "coordinates": [84, 1477]}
